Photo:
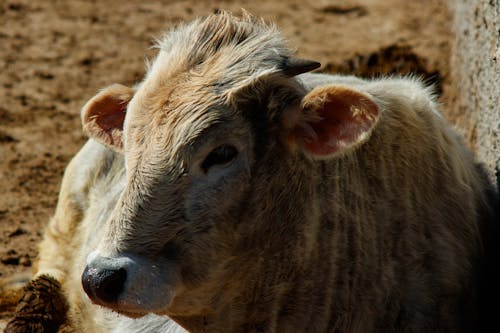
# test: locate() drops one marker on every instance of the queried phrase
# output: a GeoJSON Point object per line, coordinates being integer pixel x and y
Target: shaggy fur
{"type": "Point", "coordinates": [380, 235]}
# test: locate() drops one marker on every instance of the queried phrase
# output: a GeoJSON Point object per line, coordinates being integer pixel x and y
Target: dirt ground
{"type": "Point", "coordinates": [54, 55]}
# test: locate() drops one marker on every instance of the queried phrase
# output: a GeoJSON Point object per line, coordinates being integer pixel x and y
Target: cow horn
{"type": "Point", "coordinates": [296, 66]}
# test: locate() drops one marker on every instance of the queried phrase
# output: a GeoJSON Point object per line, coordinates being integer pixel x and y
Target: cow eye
{"type": "Point", "coordinates": [220, 155]}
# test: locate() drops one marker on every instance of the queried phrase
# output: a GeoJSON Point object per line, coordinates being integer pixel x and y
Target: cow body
{"type": "Point", "coordinates": [247, 203]}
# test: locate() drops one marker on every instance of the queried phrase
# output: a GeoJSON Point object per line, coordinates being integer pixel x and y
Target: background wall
{"type": "Point", "coordinates": [475, 69]}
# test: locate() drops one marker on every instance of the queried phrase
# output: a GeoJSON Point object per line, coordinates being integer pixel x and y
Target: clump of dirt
{"type": "Point", "coordinates": [42, 307]}
{"type": "Point", "coordinates": [6, 138]}
{"type": "Point", "coordinates": [343, 9]}
{"type": "Point", "coordinates": [390, 60]}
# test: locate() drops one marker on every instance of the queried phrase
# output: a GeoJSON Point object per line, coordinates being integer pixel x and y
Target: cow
{"type": "Point", "coordinates": [233, 191]}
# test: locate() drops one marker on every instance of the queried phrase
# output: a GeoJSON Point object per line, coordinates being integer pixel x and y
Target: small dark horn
{"type": "Point", "coordinates": [296, 66]}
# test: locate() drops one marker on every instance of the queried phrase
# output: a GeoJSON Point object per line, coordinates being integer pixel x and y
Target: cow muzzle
{"type": "Point", "coordinates": [130, 284]}
{"type": "Point", "coordinates": [104, 278]}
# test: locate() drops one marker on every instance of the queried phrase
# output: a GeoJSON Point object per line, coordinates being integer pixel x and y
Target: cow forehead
{"type": "Point", "coordinates": [183, 90]}
{"type": "Point", "coordinates": [212, 55]}
{"type": "Point", "coordinates": [173, 115]}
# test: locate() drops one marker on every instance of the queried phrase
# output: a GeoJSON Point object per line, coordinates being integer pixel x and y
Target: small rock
{"type": "Point", "coordinates": [25, 261]}
{"type": "Point", "coordinates": [10, 261]}
{"type": "Point", "coordinates": [17, 232]}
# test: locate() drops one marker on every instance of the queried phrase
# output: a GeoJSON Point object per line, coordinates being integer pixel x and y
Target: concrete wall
{"type": "Point", "coordinates": [476, 75]}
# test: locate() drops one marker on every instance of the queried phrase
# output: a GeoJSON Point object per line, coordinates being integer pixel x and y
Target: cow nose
{"type": "Point", "coordinates": [103, 280]}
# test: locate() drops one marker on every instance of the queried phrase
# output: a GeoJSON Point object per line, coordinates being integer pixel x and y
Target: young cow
{"type": "Point", "coordinates": [232, 193]}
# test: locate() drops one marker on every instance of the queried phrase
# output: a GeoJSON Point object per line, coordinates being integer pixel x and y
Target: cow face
{"type": "Point", "coordinates": [188, 158]}
{"type": "Point", "coordinates": [193, 142]}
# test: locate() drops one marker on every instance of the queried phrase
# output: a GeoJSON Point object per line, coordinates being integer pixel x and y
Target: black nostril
{"type": "Point", "coordinates": [111, 286]}
{"type": "Point", "coordinates": [104, 284]}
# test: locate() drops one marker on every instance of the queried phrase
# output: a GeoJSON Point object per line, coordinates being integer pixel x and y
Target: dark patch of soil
{"type": "Point", "coordinates": [391, 60]}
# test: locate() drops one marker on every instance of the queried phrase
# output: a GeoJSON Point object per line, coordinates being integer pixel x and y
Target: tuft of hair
{"type": "Point", "coordinates": [230, 44]}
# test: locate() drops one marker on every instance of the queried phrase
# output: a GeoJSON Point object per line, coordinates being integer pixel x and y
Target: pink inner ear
{"type": "Point", "coordinates": [111, 114]}
{"type": "Point", "coordinates": [104, 114]}
{"type": "Point", "coordinates": [105, 120]}
{"type": "Point", "coordinates": [342, 117]}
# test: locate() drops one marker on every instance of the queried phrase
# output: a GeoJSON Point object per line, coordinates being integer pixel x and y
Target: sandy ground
{"type": "Point", "coordinates": [54, 55]}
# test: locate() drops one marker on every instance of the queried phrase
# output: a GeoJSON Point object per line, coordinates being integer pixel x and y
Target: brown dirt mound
{"type": "Point", "coordinates": [41, 309]}
{"type": "Point", "coordinates": [390, 60]}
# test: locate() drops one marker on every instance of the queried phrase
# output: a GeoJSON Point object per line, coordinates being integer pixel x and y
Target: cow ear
{"type": "Point", "coordinates": [103, 115]}
{"type": "Point", "coordinates": [331, 120]}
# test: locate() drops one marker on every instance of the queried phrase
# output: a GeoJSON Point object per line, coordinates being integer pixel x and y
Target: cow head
{"type": "Point", "coordinates": [218, 140]}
